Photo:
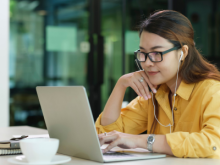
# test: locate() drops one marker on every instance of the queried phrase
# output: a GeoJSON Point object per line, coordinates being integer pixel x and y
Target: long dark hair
{"type": "Point", "coordinates": [178, 30]}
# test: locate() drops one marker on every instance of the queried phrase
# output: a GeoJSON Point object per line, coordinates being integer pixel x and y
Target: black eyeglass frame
{"type": "Point", "coordinates": [161, 53]}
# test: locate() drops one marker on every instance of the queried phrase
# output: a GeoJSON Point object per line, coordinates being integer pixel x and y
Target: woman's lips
{"type": "Point", "coordinates": [152, 73]}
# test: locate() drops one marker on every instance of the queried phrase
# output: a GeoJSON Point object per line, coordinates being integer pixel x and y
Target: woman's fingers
{"type": "Point", "coordinates": [146, 88]}
{"type": "Point", "coordinates": [121, 141]}
{"type": "Point", "coordinates": [143, 88]}
{"type": "Point", "coordinates": [108, 139]}
{"type": "Point", "coordinates": [139, 82]}
{"type": "Point", "coordinates": [112, 145]}
{"type": "Point", "coordinates": [112, 132]}
{"type": "Point", "coordinates": [136, 89]}
{"type": "Point", "coordinates": [108, 133]}
{"type": "Point", "coordinates": [101, 135]}
{"type": "Point", "coordinates": [143, 84]}
{"type": "Point", "coordinates": [113, 141]}
{"type": "Point", "coordinates": [143, 74]}
{"type": "Point", "coordinates": [115, 138]}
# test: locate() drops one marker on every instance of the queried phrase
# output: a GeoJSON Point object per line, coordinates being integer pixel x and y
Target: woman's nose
{"type": "Point", "coordinates": [148, 62]}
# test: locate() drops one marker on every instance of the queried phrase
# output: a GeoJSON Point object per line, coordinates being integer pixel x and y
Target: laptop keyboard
{"type": "Point", "coordinates": [116, 154]}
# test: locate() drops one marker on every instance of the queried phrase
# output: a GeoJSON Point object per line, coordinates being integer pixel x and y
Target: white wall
{"type": "Point", "coordinates": [4, 56]}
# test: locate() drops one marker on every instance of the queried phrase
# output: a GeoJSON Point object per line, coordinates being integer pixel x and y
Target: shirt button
{"type": "Point", "coordinates": [214, 148]}
{"type": "Point", "coordinates": [175, 108]}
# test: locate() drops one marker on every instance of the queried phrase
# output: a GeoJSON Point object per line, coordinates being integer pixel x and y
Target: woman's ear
{"type": "Point", "coordinates": [185, 50]}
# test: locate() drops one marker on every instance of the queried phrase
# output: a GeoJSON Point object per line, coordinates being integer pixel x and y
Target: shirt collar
{"type": "Point", "coordinates": [184, 90]}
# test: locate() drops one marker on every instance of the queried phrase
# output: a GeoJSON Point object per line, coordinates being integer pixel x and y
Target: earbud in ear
{"type": "Point", "coordinates": [181, 55]}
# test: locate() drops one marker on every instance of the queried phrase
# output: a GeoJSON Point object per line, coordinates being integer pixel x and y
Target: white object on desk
{"type": "Point", "coordinates": [37, 150]}
{"type": "Point", "coordinates": [57, 159]}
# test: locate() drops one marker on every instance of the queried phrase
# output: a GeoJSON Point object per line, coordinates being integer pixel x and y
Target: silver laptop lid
{"type": "Point", "coordinates": [75, 130]}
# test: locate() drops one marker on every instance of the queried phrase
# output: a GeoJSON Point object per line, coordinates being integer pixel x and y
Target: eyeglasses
{"type": "Point", "coordinates": [153, 56]}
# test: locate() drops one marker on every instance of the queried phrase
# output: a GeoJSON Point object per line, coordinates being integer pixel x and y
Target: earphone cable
{"type": "Point", "coordinates": [169, 125]}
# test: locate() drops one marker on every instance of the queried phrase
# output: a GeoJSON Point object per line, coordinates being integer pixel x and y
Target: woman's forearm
{"type": "Point", "coordinates": [113, 106]}
{"type": "Point", "coordinates": [160, 144]}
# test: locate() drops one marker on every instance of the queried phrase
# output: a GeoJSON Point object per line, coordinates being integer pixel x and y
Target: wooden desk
{"type": "Point", "coordinates": [6, 133]}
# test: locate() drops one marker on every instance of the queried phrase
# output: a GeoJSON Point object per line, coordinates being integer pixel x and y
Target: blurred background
{"type": "Point", "coordinates": [88, 43]}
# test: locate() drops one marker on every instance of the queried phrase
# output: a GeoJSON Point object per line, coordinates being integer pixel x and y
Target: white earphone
{"type": "Point", "coordinates": [181, 55]}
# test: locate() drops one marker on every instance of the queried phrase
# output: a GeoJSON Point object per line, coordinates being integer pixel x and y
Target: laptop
{"type": "Point", "coordinates": [68, 117]}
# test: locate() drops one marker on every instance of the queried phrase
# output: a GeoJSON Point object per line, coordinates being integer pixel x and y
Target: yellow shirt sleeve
{"type": "Point", "coordinates": [133, 119]}
{"type": "Point", "coordinates": [205, 143]}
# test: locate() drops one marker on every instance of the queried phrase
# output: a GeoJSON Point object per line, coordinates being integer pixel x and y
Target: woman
{"type": "Point", "coordinates": [182, 114]}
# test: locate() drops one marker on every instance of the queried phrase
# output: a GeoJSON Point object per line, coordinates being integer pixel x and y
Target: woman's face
{"type": "Point", "coordinates": [164, 71]}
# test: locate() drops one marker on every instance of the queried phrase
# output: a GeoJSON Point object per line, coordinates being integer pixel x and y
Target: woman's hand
{"type": "Point", "coordinates": [129, 141]}
{"type": "Point", "coordinates": [140, 87]}
{"type": "Point", "coordinates": [123, 140]}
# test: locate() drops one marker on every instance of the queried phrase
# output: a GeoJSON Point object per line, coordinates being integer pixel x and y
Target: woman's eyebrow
{"type": "Point", "coordinates": [152, 48]}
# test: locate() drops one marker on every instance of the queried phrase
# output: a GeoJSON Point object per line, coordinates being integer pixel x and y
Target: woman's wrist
{"type": "Point", "coordinates": [160, 144]}
{"type": "Point", "coordinates": [142, 141]}
{"type": "Point", "coordinates": [121, 83]}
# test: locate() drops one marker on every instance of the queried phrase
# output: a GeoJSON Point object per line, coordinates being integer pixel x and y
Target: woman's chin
{"type": "Point", "coordinates": [155, 83]}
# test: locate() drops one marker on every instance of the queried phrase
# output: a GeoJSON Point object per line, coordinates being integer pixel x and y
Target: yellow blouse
{"type": "Point", "coordinates": [196, 130]}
